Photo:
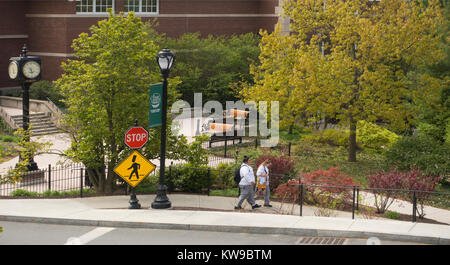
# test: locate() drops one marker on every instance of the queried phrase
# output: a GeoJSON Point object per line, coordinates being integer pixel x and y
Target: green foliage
{"type": "Point", "coordinates": [49, 193]}
{"type": "Point", "coordinates": [190, 178]}
{"type": "Point", "coordinates": [391, 215]}
{"type": "Point", "coordinates": [224, 173]}
{"type": "Point", "coordinates": [375, 138]}
{"type": "Point", "coordinates": [331, 137]}
{"type": "Point", "coordinates": [287, 135]}
{"type": "Point", "coordinates": [195, 154]}
{"type": "Point", "coordinates": [369, 137]}
{"type": "Point", "coordinates": [447, 132]}
{"type": "Point", "coordinates": [45, 89]}
{"type": "Point", "coordinates": [429, 130]}
{"type": "Point", "coordinates": [427, 154]}
{"type": "Point", "coordinates": [228, 192]}
{"type": "Point", "coordinates": [27, 150]}
{"type": "Point", "coordinates": [8, 147]}
{"type": "Point", "coordinates": [9, 138]}
{"type": "Point", "coordinates": [212, 65]}
{"type": "Point", "coordinates": [24, 193]}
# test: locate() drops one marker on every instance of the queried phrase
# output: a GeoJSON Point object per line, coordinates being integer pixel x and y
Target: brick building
{"type": "Point", "coordinates": [49, 26]}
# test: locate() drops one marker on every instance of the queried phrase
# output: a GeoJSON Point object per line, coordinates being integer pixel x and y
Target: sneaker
{"type": "Point", "coordinates": [256, 206]}
{"type": "Point", "coordinates": [267, 205]}
{"type": "Point", "coordinates": [237, 207]}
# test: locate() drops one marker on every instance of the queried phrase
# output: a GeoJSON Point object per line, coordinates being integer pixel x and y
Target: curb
{"type": "Point", "coordinates": [233, 229]}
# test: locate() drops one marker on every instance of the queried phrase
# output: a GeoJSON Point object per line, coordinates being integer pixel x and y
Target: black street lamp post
{"type": "Point", "coordinates": [165, 59]}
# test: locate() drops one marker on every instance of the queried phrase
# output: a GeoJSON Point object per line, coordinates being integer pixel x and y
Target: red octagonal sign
{"type": "Point", "coordinates": [136, 137]}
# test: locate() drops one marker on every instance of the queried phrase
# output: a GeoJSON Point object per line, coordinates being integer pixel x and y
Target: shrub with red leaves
{"type": "Point", "coordinates": [282, 167]}
{"type": "Point", "coordinates": [422, 183]}
{"type": "Point", "coordinates": [399, 183]}
{"type": "Point", "coordinates": [337, 185]}
{"type": "Point", "coordinates": [383, 182]}
{"type": "Point", "coordinates": [335, 182]}
{"type": "Point", "coordinates": [287, 191]}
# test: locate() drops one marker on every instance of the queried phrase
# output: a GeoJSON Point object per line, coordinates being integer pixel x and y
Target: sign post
{"type": "Point", "coordinates": [135, 167]}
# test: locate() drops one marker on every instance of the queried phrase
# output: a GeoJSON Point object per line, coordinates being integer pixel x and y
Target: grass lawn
{"type": "Point", "coordinates": [311, 158]}
{"type": "Point", "coordinates": [8, 147]}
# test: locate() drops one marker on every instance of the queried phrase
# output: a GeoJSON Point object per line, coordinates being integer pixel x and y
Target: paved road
{"type": "Point", "coordinates": [18, 233]}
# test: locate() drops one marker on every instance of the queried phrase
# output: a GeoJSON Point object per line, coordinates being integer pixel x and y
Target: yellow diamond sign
{"type": "Point", "coordinates": [134, 168]}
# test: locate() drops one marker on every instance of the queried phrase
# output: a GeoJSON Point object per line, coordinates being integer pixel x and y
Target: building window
{"type": "Point", "coordinates": [141, 6]}
{"type": "Point", "coordinates": [94, 6]}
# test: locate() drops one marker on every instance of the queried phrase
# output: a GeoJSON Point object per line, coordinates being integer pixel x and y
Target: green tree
{"type": "Point", "coordinates": [213, 65]}
{"type": "Point", "coordinates": [434, 117]}
{"type": "Point", "coordinates": [106, 89]}
{"type": "Point", "coordinates": [352, 60]}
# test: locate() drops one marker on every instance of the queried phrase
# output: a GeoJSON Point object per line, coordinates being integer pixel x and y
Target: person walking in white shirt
{"type": "Point", "coordinates": [246, 185]}
{"type": "Point", "coordinates": [263, 180]}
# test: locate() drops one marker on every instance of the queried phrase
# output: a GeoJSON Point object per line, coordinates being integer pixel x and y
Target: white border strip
{"type": "Point", "coordinates": [148, 15]}
{"type": "Point", "coordinates": [13, 36]}
{"type": "Point", "coordinates": [51, 54]}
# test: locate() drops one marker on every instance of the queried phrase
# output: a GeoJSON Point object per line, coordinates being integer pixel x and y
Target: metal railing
{"type": "Point", "coordinates": [58, 178]}
{"type": "Point", "coordinates": [425, 198]}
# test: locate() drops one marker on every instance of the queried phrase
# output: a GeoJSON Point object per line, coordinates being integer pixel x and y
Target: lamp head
{"type": "Point", "coordinates": [165, 59]}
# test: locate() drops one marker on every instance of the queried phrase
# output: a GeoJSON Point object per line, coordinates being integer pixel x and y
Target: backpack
{"type": "Point", "coordinates": [237, 175]}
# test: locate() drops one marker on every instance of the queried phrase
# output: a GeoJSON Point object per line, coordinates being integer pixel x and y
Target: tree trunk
{"type": "Point", "coordinates": [352, 141]}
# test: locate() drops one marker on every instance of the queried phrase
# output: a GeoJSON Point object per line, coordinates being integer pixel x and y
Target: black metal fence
{"type": "Point", "coordinates": [61, 178]}
{"type": "Point", "coordinates": [382, 198]}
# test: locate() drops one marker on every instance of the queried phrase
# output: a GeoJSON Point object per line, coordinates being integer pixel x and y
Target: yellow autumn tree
{"type": "Point", "coordinates": [352, 60]}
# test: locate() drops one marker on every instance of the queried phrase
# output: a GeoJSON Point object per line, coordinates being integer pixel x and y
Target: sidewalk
{"type": "Point", "coordinates": [211, 213]}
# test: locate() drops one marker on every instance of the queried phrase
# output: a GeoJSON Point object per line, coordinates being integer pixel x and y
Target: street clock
{"type": "Point", "coordinates": [25, 68]}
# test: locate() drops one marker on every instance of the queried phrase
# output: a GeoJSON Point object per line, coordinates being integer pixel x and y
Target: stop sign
{"type": "Point", "coordinates": [136, 137]}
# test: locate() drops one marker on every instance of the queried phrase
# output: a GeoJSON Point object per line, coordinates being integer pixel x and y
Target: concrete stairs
{"type": "Point", "coordinates": [41, 123]}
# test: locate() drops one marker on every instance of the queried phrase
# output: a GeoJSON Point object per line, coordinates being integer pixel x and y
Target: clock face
{"type": "Point", "coordinates": [13, 70]}
{"type": "Point", "coordinates": [31, 69]}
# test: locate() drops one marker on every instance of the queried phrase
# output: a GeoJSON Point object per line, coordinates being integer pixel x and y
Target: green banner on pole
{"type": "Point", "coordinates": [155, 105]}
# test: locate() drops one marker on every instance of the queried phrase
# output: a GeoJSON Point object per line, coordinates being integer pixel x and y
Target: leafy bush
{"type": "Point", "coordinates": [368, 136]}
{"type": "Point", "coordinates": [427, 130]}
{"type": "Point", "coordinates": [390, 181]}
{"type": "Point", "coordinates": [325, 199]}
{"type": "Point", "coordinates": [331, 178]}
{"type": "Point", "coordinates": [281, 170]}
{"type": "Point", "coordinates": [419, 181]}
{"type": "Point", "coordinates": [426, 154]}
{"type": "Point", "coordinates": [373, 137]}
{"type": "Point", "coordinates": [223, 175]}
{"type": "Point", "coordinates": [385, 180]}
{"type": "Point", "coordinates": [190, 178]}
{"type": "Point", "coordinates": [288, 191]}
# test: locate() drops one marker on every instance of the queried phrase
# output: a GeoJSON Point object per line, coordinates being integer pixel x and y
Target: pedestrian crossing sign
{"type": "Point", "coordinates": [134, 168]}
